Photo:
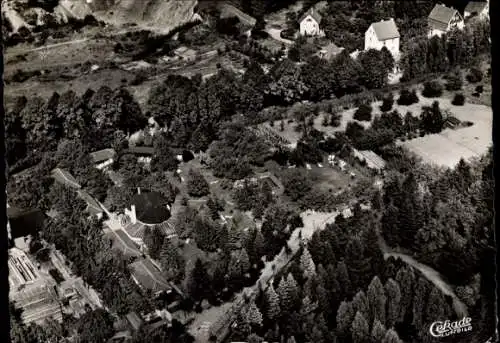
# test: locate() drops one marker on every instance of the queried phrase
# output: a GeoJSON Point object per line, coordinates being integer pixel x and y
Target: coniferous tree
{"type": "Point", "coordinates": [288, 293]}
{"type": "Point", "coordinates": [342, 276]}
{"type": "Point", "coordinates": [307, 264]}
{"type": "Point", "coordinates": [171, 260]}
{"type": "Point", "coordinates": [377, 300]}
{"type": "Point", "coordinates": [360, 304]}
{"type": "Point", "coordinates": [273, 309]}
{"type": "Point", "coordinates": [253, 316]}
{"type": "Point", "coordinates": [419, 301]}
{"type": "Point", "coordinates": [378, 331]}
{"type": "Point", "coordinates": [359, 329]}
{"type": "Point", "coordinates": [345, 317]}
{"type": "Point", "coordinates": [436, 306]}
{"type": "Point", "coordinates": [197, 281]}
{"type": "Point", "coordinates": [391, 336]}
{"type": "Point", "coordinates": [393, 294]}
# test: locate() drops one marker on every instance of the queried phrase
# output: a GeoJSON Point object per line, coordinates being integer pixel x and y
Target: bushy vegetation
{"type": "Point", "coordinates": [458, 99]}
{"type": "Point", "coordinates": [407, 97]}
{"type": "Point", "coordinates": [475, 75]}
{"type": "Point", "coordinates": [454, 81]}
{"type": "Point", "coordinates": [363, 113]}
{"type": "Point", "coordinates": [387, 103]}
{"type": "Point", "coordinates": [432, 89]}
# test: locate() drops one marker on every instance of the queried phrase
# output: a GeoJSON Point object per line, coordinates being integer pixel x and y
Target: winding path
{"type": "Point", "coordinates": [276, 35]}
{"type": "Point", "coordinates": [429, 273]}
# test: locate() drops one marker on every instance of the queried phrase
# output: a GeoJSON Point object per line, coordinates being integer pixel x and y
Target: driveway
{"type": "Point", "coordinates": [275, 34]}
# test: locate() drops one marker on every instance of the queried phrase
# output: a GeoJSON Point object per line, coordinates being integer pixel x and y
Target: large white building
{"type": "Point", "coordinates": [383, 33]}
{"type": "Point", "coordinates": [309, 23]}
{"type": "Point", "coordinates": [443, 19]}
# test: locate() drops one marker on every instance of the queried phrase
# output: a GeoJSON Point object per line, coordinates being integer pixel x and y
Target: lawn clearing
{"type": "Point", "coordinates": [449, 146]}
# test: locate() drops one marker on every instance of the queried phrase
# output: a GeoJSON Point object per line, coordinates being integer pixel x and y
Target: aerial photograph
{"type": "Point", "coordinates": [249, 171]}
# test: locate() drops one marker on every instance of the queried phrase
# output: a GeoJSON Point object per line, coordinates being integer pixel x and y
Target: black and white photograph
{"type": "Point", "coordinates": [248, 171]}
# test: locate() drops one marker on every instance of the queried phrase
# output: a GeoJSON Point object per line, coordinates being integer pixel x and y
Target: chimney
{"type": "Point", "coordinates": [133, 216]}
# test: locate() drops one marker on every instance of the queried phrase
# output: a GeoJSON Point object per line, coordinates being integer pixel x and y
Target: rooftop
{"type": "Point", "coordinates": [228, 10]}
{"type": "Point", "coordinates": [141, 150]}
{"type": "Point", "coordinates": [102, 155]}
{"type": "Point", "coordinates": [475, 6]}
{"type": "Point", "coordinates": [442, 14]}
{"type": "Point", "coordinates": [386, 29]}
{"type": "Point", "coordinates": [149, 276]}
{"type": "Point", "coordinates": [373, 160]}
{"type": "Point", "coordinates": [64, 177]}
{"type": "Point", "coordinates": [313, 13]}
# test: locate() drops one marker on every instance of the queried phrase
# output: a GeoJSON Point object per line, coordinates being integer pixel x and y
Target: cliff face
{"type": "Point", "coordinates": [157, 15]}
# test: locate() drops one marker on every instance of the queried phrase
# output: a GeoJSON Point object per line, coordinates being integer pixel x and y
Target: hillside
{"type": "Point", "coordinates": [156, 15]}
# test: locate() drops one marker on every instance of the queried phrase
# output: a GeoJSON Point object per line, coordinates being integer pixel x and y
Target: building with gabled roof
{"type": "Point", "coordinates": [247, 22]}
{"type": "Point", "coordinates": [477, 8]}
{"type": "Point", "coordinates": [373, 161]}
{"type": "Point", "coordinates": [148, 276]}
{"type": "Point", "coordinates": [93, 207]}
{"type": "Point", "coordinates": [103, 158]}
{"type": "Point", "coordinates": [383, 34]}
{"type": "Point", "coordinates": [64, 177]}
{"type": "Point", "coordinates": [443, 19]}
{"type": "Point", "coordinates": [309, 23]}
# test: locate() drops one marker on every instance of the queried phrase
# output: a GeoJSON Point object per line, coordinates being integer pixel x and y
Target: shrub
{"type": "Point", "coordinates": [454, 82]}
{"type": "Point", "coordinates": [475, 75]}
{"type": "Point", "coordinates": [479, 89]}
{"type": "Point", "coordinates": [363, 113]}
{"type": "Point", "coordinates": [387, 103]}
{"type": "Point", "coordinates": [407, 97]}
{"type": "Point", "coordinates": [432, 89]}
{"type": "Point", "coordinates": [458, 100]}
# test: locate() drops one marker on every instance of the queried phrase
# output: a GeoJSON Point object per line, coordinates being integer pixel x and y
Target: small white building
{"type": "Point", "coordinates": [480, 9]}
{"type": "Point", "coordinates": [443, 19]}
{"type": "Point", "coordinates": [383, 33]}
{"type": "Point", "coordinates": [309, 23]}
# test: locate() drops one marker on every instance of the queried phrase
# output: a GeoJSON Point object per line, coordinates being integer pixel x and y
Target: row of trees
{"type": "Point", "coordinates": [441, 54]}
{"type": "Point", "coordinates": [34, 126]}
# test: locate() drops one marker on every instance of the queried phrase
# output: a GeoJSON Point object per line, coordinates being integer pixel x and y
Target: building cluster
{"type": "Point", "coordinates": [384, 33]}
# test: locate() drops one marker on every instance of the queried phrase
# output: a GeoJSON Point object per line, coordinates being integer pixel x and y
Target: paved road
{"type": "Point", "coordinates": [275, 34]}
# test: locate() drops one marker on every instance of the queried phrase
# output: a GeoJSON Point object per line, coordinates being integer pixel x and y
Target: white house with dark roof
{"type": "Point", "coordinates": [480, 9]}
{"type": "Point", "coordinates": [309, 23]}
{"type": "Point", "coordinates": [383, 33]}
{"type": "Point", "coordinates": [443, 19]}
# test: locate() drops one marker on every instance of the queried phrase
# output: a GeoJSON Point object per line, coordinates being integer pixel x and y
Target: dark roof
{"type": "Point", "coordinates": [149, 276]}
{"type": "Point", "coordinates": [64, 177]}
{"type": "Point", "coordinates": [386, 29]}
{"type": "Point", "coordinates": [228, 10]}
{"type": "Point", "coordinates": [150, 207]}
{"type": "Point", "coordinates": [475, 6]}
{"type": "Point", "coordinates": [102, 155]}
{"type": "Point", "coordinates": [141, 150]}
{"type": "Point", "coordinates": [313, 13]}
{"type": "Point", "coordinates": [25, 222]}
{"type": "Point", "coordinates": [122, 242]}
{"type": "Point", "coordinates": [440, 17]}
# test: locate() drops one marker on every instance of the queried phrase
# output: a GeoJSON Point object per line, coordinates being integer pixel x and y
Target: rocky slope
{"type": "Point", "coordinates": [156, 15]}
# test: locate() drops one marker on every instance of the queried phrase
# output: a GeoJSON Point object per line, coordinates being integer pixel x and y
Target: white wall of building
{"type": "Point", "coordinates": [309, 26]}
{"type": "Point", "coordinates": [372, 42]}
